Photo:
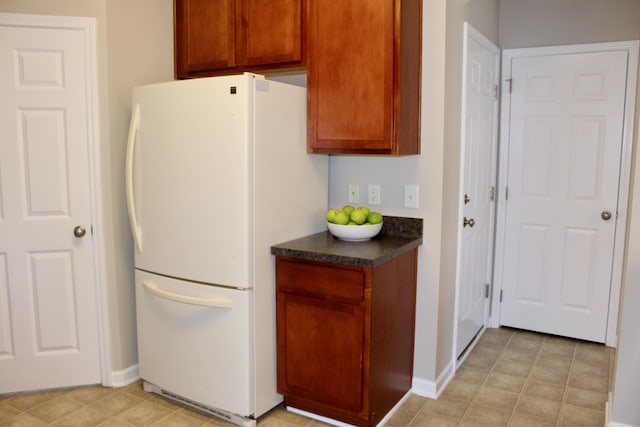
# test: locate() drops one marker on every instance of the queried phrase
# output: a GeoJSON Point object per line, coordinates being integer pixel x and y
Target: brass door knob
{"type": "Point", "coordinates": [79, 231]}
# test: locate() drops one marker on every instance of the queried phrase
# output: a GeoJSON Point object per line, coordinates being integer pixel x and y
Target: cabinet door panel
{"type": "Point", "coordinates": [351, 74]}
{"type": "Point", "coordinates": [321, 346]}
{"type": "Point", "coordinates": [204, 35]}
{"type": "Point", "coordinates": [271, 32]}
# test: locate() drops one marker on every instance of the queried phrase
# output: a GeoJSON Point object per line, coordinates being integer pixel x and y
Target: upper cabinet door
{"type": "Point", "coordinates": [270, 32]}
{"type": "Point", "coordinates": [364, 76]}
{"type": "Point", "coordinates": [214, 37]}
{"type": "Point", "coordinates": [205, 34]}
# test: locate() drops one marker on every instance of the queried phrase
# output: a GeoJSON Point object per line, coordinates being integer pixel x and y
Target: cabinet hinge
{"type": "Point", "coordinates": [510, 83]}
{"type": "Point", "coordinates": [486, 290]}
{"type": "Point", "coordinates": [495, 92]}
{"type": "Point", "coordinates": [500, 295]}
{"type": "Point", "coordinates": [506, 193]}
{"type": "Point", "coordinates": [492, 193]}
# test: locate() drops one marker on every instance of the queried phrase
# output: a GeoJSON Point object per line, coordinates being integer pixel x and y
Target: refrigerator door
{"type": "Point", "coordinates": [194, 340]}
{"type": "Point", "coordinates": [189, 169]}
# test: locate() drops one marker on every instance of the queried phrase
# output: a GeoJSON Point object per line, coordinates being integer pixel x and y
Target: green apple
{"type": "Point", "coordinates": [331, 215]}
{"type": "Point", "coordinates": [364, 209]}
{"type": "Point", "coordinates": [358, 216]}
{"type": "Point", "coordinates": [348, 209]}
{"type": "Point", "coordinates": [374, 217]}
{"type": "Point", "coordinates": [341, 218]}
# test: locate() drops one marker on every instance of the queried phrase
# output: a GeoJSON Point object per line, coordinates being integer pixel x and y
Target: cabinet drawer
{"type": "Point", "coordinates": [322, 280]}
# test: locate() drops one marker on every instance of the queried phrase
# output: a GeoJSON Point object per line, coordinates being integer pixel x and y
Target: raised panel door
{"type": "Point", "coordinates": [350, 75]}
{"type": "Point", "coordinates": [205, 35]}
{"type": "Point", "coordinates": [364, 76]}
{"type": "Point", "coordinates": [270, 32]}
{"type": "Point", "coordinates": [564, 166]}
{"type": "Point", "coordinates": [321, 348]}
{"type": "Point", "coordinates": [48, 322]}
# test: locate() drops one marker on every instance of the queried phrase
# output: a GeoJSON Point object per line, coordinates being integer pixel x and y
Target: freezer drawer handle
{"type": "Point", "coordinates": [187, 299]}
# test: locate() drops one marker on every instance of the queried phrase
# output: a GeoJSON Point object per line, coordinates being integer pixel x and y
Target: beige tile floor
{"type": "Point", "coordinates": [511, 378]}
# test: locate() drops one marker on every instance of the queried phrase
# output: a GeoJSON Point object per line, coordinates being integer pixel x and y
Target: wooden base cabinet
{"type": "Point", "coordinates": [345, 336]}
{"type": "Point", "coordinates": [364, 76]}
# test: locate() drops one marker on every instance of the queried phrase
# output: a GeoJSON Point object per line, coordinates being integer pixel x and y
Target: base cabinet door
{"type": "Point", "coordinates": [322, 351]}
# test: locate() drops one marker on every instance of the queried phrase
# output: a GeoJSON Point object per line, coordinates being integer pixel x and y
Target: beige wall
{"type": "Point", "coordinates": [134, 45]}
{"type": "Point", "coordinates": [527, 23]}
{"type": "Point", "coordinates": [139, 51]}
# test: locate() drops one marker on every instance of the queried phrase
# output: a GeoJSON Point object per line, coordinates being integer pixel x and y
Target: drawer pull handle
{"type": "Point", "coordinates": [187, 299]}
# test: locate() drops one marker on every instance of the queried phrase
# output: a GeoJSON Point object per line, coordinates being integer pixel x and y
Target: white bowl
{"type": "Point", "coordinates": [354, 233]}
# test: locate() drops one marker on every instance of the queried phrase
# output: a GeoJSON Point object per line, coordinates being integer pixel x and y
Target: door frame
{"type": "Point", "coordinates": [86, 26]}
{"type": "Point", "coordinates": [471, 33]}
{"type": "Point", "coordinates": [632, 48]}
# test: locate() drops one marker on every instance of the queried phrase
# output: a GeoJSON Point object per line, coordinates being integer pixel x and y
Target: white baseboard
{"type": "Point", "coordinates": [318, 417]}
{"type": "Point", "coordinates": [342, 424]}
{"type": "Point", "coordinates": [431, 389]}
{"type": "Point", "coordinates": [615, 424]}
{"type": "Point", "coordinates": [123, 378]}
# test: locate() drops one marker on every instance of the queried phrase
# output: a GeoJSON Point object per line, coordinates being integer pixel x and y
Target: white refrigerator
{"type": "Point", "coordinates": [216, 173]}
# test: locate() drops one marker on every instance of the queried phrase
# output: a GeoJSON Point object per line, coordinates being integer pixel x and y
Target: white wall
{"type": "Point", "coordinates": [595, 21]}
{"type": "Point", "coordinates": [135, 45]}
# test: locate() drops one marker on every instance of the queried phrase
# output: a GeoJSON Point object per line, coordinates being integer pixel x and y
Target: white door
{"type": "Point", "coordinates": [564, 157]}
{"type": "Point", "coordinates": [479, 141]}
{"type": "Point", "coordinates": [48, 316]}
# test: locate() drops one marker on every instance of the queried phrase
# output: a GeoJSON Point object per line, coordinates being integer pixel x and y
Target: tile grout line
{"type": "Point", "coordinates": [526, 381]}
{"type": "Point", "coordinates": [475, 396]}
{"type": "Point", "coordinates": [566, 384]}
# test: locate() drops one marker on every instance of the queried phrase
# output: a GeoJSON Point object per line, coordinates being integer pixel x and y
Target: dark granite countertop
{"type": "Point", "coordinates": [398, 235]}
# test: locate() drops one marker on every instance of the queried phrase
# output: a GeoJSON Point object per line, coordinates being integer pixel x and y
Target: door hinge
{"type": "Point", "coordinates": [495, 92]}
{"type": "Point", "coordinates": [510, 83]}
{"type": "Point", "coordinates": [91, 229]}
{"type": "Point", "coordinates": [506, 193]}
{"type": "Point", "coordinates": [500, 295]}
{"type": "Point", "coordinates": [492, 193]}
{"type": "Point", "coordinates": [486, 290]}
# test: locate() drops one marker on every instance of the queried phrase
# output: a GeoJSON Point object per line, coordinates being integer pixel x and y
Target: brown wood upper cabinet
{"type": "Point", "coordinates": [215, 37]}
{"type": "Point", "coordinates": [364, 76]}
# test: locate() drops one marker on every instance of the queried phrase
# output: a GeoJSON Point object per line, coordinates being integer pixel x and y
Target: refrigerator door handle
{"type": "Point", "coordinates": [187, 299]}
{"type": "Point", "coordinates": [131, 203]}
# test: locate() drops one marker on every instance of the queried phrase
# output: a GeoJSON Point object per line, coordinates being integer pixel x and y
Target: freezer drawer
{"type": "Point", "coordinates": [194, 340]}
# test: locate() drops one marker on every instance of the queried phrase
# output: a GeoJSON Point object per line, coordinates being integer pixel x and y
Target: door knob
{"type": "Point", "coordinates": [606, 215]}
{"type": "Point", "coordinates": [79, 231]}
{"type": "Point", "coordinates": [468, 222]}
